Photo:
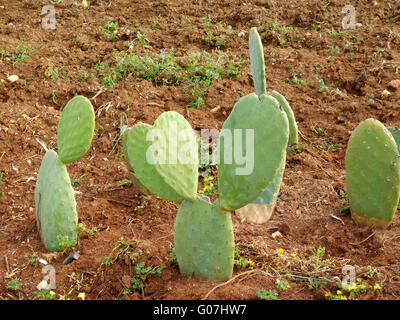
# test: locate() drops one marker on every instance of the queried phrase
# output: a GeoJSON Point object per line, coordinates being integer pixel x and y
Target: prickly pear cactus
{"type": "Point", "coordinates": [396, 136]}
{"type": "Point", "coordinates": [165, 157]}
{"type": "Point", "coordinates": [372, 174]}
{"type": "Point", "coordinates": [257, 61]}
{"type": "Point", "coordinates": [261, 209]}
{"type": "Point", "coordinates": [75, 129]}
{"type": "Point", "coordinates": [204, 241]}
{"type": "Point", "coordinates": [55, 206]}
{"type": "Point", "coordinates": [135, 181]}
{"type": "Point", "coordinates": [261, 118]}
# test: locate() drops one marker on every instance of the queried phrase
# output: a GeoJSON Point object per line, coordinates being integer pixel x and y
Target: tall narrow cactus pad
{"type": "Point", "coordinates": [204, 241]}
{"type": "Point", "coordinates": [372, 174]}
{"type": "Point", "coordinates": [396, 136]}
{"type": "Point", "coordinates": [261, 209]}
{"type": "Point", "coordinates": [165, 156]}
{"type": "Point", "coordinates": [258, 128]}
{"type": "Point", "coordinates": [293, 131]}
{"type": "Point", "coordinates": [135, 181]}
{"type": "Point", "coordinates": [257, 61]}
{"type": "Point", "coordinates": [55, 206]}
{"type": "Point", "coordinates": [75, 129]}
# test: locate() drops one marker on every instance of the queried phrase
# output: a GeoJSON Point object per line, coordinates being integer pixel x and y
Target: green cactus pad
{"type": "Point", "coordinates": [177, 178]}
{"type": "Point", "coordinates": [293, 131]}
{"type": "Point", "coordinates": [372, 174]}
{"type": "Point", "coordinates": [75, 129]}
{"type": "Point", "coordinates": [204, 240]}
{"type": "Point", "coordinates": [261, 209]}
{"type": "Point", "coordinates": [271, 132]}
{"type": "Point", "coordinates": [257, 61]}
{"type": "Point", "coordinates": [135, 181]}
{"type": "Point", "coordinates": [396, 136]}
{"type": "Point", "coordinates": [55, 206]}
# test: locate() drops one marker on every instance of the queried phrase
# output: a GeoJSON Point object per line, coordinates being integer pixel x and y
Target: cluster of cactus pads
{"type": "Point", "coordinates": [373, 173]}
{"type": "Point", "coordinates": [55, 206]}
{"type": "Point", "coordinates": [261, 209]}
{"type": "Point", "coordinates": [163, 159]}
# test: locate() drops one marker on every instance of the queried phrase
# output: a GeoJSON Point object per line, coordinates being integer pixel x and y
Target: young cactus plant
{"type": "Point", "coordinates": [372, 174]}
{"type": "Point", "coordinates": [55, 206]}
{"type": "Point", "coordinates": [261, 209]}
{"type": "Point", "coordinates": [164, 158]}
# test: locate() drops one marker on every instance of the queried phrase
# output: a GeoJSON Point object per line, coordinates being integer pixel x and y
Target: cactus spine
{"type": "Point", "coordinates": [55, 206]}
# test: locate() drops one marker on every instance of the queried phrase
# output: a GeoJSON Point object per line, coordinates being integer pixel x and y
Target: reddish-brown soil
{"type": "Point", "coordinates": [356, 68]}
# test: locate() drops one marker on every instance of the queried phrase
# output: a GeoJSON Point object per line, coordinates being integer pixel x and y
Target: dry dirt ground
{"type": "Point", "coordinates": [192, 57]}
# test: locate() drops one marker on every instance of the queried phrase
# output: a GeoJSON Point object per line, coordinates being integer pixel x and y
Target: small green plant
{"type": "Point", "coordinates": [241, 262]}
{"type": "Point", "coordinates": [314, 284]}
{"type": "Point", "coordinates": [213, 41]}
{"type": "Point", "coordinates": [296, 80]}
{"type": "Point", "coordinates": [207, 21]}
{"type": "Point", "coordinates": [267, 294]}
{"type": "Point", "coordinates": [4, 54]}
{"type": "Point", "coordinates": [209, 187]}
{"type": "Point", "coordinates": [110, 30]}
{"type": "Point", "coordinates": [334, 50]}
{"type": "Point", "coordinates": [65, 243]}
{"type": "Point", "coordinates": [320, 132]}
{"type": "Point", "coordinates": [333, 33]}
{"type": "Point", "coordinates": [143, 40]}
{"type": "Point", "coordinates": [83, 228]}
{"type": "Point", "coordinates": [45, 294]}
{"type": "Point", "coordinates": [20, 54]}
{"type": "Point", "coordinates": [296, 148]}
{"type": "Point", "coordinates": [14, 285]}
{"type": "Point", "coordinates": [142, 273]}
{"type": "Point", "coordinates": [316, 27]}
{"type": "Point", "coordinates": [318, 254]}
{"type": "Point", "coordinates": [282, 285]}
{"type": "Point", "coordinates": [172, 257]}
{"type": "Point", "coordinates": [322, 87]}
{"type": "Point", "coordinates": [33, 257]}
{"type": "Point", "coordinates": [122, 248]}
{"type": "Point", "coordinates": [52, 72]}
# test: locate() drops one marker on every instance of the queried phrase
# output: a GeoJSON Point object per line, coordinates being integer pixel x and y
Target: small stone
{"type": "Point", "coordinates": [214, 110]}
{"type": "Point", "coordinates": [12, 78]}
{"type": "Point", "coordinates": [276, 234]}
{"type": "Point", "coordinates": [43, 285]}
{"type": "Point", "coordinates": [385, 93]}
{"type": "Point", "coordinates": [394, 84]}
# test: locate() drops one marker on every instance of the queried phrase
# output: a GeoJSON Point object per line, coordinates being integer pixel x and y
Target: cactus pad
{"type": "Point", "coordinates": [55, 206]}
{"type": "Point", "coordinates": [75, 129]}
{"type": "Point", "coordinates": [204, 241]}
{"type": "Point", "coordinates": [257, 61]}
{"type": "Point", "coordinates": [135, 181]}
{"type": "Point", "coordinates": [293, 131]}
{"type": "Point", "coordinates": [261, 209]}
{"type": "Point", "coordinates": [271, 132]}
{"type": "Point", "coordinates": [175, 179]}
{"type": "Point", "coordinates": [372, 174]}
{"type": "Point", "coordinates": [396, 136]}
